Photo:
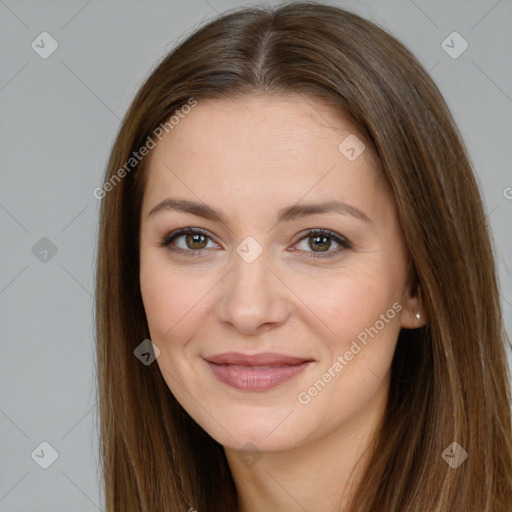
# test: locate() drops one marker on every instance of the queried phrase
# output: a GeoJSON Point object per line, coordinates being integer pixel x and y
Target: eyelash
{"type": "Point", "coordinates": [343, 242]}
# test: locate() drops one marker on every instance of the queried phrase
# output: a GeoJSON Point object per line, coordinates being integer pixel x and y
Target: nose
{"type": "Point", "coordinates": [253, 297]}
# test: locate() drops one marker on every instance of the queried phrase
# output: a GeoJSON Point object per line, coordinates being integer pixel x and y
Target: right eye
{"type": "Point", "coordinates": [194, 241]}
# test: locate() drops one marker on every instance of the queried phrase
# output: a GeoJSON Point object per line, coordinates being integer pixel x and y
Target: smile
{"type": "Point", "coordinates": [258, 372]}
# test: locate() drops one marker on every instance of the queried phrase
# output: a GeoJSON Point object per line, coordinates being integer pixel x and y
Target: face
{"type": "Point", "coordinates": [276, 320]}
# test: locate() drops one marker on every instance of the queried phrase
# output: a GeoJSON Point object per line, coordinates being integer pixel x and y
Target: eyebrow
{"type": "Point", "coordinates": [285, 214]}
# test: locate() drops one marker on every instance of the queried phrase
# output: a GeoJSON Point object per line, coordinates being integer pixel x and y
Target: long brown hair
{"type": "Point", "coordinates": [450, 380]}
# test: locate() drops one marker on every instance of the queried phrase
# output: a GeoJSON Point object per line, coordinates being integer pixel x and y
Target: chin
{"type": "Point", "coordinates": [268, 431]}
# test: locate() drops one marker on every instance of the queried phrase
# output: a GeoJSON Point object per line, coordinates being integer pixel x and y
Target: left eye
{"type": "Point", "coordinates": [320, 241]}
{"type": "Point", "coordinates": [195, 240]}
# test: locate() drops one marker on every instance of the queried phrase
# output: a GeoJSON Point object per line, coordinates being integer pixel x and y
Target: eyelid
{"type": "Point", "coordinates": [170, 237]}
{"type": "Point", "coordinates": [323, 231]}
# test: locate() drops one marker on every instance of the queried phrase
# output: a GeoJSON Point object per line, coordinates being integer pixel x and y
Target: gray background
{"type": "Point", "coordinates": [59, 116]}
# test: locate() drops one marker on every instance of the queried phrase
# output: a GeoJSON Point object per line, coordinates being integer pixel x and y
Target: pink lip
{"type": "Point", "coordinates": [242, 371]}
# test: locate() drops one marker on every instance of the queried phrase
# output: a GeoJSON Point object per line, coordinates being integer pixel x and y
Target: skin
{"type": "Point", "coordinates": [250, 157]}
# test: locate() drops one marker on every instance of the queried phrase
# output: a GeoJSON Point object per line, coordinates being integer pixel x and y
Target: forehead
{"type": "Point", "coordinates": [260, 148]}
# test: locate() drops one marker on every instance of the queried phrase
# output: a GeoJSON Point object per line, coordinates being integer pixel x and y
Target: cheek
{"type": "Point", "coordinates": [168, 296]}
{"type": "Point", "coordinates": [346, 304]}
{"type": "Point", "coordinates": [362, 314]}
{"type": "Point", "coordinates": [362, 311]}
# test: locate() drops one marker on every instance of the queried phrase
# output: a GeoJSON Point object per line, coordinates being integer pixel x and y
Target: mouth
{"type": "Point", "coordinates": [257, 372]}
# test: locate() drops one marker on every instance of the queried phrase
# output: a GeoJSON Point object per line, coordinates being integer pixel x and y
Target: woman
{"type": "Point", "coordinates": [297, 306]}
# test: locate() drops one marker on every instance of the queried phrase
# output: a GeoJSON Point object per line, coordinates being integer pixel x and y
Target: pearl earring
{"type": "Point", "coordinates": [418, 316]}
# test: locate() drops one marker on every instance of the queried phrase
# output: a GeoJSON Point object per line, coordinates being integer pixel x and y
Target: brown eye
{"type": "Point", "coordinates": [186, 240]}
{"type": "Point", "coordinates": [319, 242]}
{"type": "Point", "coordinates": [195, 241]}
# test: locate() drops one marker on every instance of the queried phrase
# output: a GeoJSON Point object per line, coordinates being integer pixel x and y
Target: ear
{"type": "Point", "coordinates": [413, 306]}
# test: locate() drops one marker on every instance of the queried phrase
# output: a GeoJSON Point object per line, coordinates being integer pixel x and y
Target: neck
{"type": "Point", "coordinates": [319, 475]}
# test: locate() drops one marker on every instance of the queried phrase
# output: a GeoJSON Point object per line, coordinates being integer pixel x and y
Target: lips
{"type": "Point", "coordinates": [262, 359]}
{"type": "Point", "coordinates": [257, 372]}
